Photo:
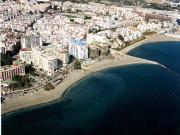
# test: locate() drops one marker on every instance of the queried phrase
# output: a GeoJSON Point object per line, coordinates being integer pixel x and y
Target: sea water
{"type": "Point", "coordinates": [139, 99]}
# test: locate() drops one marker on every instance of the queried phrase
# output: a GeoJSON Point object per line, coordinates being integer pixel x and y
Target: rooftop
{"type": "Point", "coordinates": [26, 49]}
{"type": "Point", "coordinates": [78, 42]}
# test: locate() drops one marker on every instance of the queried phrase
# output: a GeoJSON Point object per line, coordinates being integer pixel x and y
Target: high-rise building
{"type": "Point", "coordinates": [78, 49]}
{"type": "Point", "coordinates": [31, 41]}
{"type": "Point", "coordinates": [44, 61]}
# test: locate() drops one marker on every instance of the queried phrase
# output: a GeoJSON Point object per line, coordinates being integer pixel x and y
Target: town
{"type": "Point", "coordinates": [42, 41]}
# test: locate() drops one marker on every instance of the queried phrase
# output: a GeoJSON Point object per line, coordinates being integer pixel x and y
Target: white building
{"type": "Point", "coordinates": [91, 38]}
{"type": "Point", "coordinates": [129, 33]}
{"type": "Point", "coordinates": [31, 41]}
{"type": "Point", "coordinates": [26, 55]}
{"type": "Point", "coordinates": [149, 27]}
{"type": "Point", "coordinates": [48, 59]}
{"type": "Point", "coordinates": [2, 48]}
{"type": "Point", "coordinates": [78, 49]}
{"type": "Point", "coordinates": [44, 61]}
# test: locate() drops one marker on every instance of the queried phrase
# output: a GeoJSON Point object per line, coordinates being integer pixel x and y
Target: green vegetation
{"type": "Point", "coordinates": [159, 6]}
{"type": "Point", "coordinates": [87, 17]}
{"type": "Point", "coordinates": [77, 64]}
{"type": "Point", "coordinates": [135, 41]}
{"type": "Point", "coordinates": [48, 86]}
{"type": "Point", "coordinates": [130, 43]}
{"type": "Point", "coordinates": [70, 16]}
{"type": "Point", "coordinates": [148, 33]}
{"type": "Point", "coordinates": [20, 81]}
{"type": "Point", "coordinates": [121, 38]}
{"type": "Point", "coordinates": [29, 69]}
{"type": "Point", "coordinates": [94, 53]}
{"type": "Point", "coordinates": [71, 20]}
{"type": "Point", "coordinates": [6, 59]}
{"type": "Point", "coordinates": [98, 51]}
{"type": "Point", "coordinates": [94, 30]}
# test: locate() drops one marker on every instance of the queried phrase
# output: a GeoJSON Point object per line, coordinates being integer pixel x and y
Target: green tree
{"type": "Point", "coordinates": [29, 69]}
{"type": "Point", "coordinates": [48, 86]}
{"type": "Point", "coordinates": [6, 59]}
{"type": "Point", "coordinates": [21, 81]}
{"type": "Point", "coordinates": [77, 64]}
{"type": "Point", "coordinates": [121, 38]}
{"type": "Point", "coordinates": [16, 78]}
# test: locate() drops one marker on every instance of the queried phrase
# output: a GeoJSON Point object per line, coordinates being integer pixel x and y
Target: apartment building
{"type": "Point", "coordinates": [7, 72]}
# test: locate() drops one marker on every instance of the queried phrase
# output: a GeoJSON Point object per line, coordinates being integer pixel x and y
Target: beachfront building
{"type": "Point", "coordinates": [47, 58]}
{"type": "Point", "coordinates": [129, 33]}
{"type": "Point", "coordinates": [149, 26]}
{"type": "Point", "coordinates": [44, 61]}
{"type": "Point", "coordinates": [7, 72]}
{"type": "Point", "coordinates": [97, 50]}
{"type": "Point", "coordinates": [60, 53]}
{"type": "Point", "coordinates": [78, 49]}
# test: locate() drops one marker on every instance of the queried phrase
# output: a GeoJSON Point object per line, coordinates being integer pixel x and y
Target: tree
{"type": "Point", "coordinates": [77, 64]}
{"type": "Point", "coordinates": [71, 20]}
{"type": "Point", "coordinates": [16, 78]}
{"type": "Point", "coordinates": [6, 59]}
{"type": "Point", "coordinates": [29, 69]}
{"type": "Point", "coordinates": [87, 17]}
{"type": "Point", "coordinates": [121, 38]}
{"type": "Point", "coordinates": [21, 81]}
{"type": "Point", "coordinates": [48, 86]}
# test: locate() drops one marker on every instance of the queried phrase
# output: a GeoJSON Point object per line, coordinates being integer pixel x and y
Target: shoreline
{"type": "Point", "coordinates": [43, 97]}
{"type": "Point", "coordinates": [149, 38]}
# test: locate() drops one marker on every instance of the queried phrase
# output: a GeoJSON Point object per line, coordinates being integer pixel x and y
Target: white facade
{"type": "Point", "coordinates": [48, 59]}
{"type": "Point", "coordinates": [2, 47]}
{"type": "Point", "coordinates": [78, 49]}
{"type": "Point", "coordinates": [26, 55]}
{"type": "Point", "coordinates": [96, 38]}
{"type": "Point", "coordinates": [31, 42]}
{"type": "Point", "coordinates": [149, 27]}
{"type": "Point", "coordinates": [129, 34]}
{"type": "Point", "coordinates": [47, 63]}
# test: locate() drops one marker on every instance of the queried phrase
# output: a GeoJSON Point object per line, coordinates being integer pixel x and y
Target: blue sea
{"type": "Point", "coordinates": [140, 99]}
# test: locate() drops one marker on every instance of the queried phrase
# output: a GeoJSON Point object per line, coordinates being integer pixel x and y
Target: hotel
{"type": "Point", "coordinates": [78, 49]}
{"type": "Point", "coordinates": [7, 72]}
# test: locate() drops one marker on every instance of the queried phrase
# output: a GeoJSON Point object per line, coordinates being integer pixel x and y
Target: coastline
{"type": "Point", "coordinates": [150, 39]}
{"type": "Point", "coordinates": [46, 96]}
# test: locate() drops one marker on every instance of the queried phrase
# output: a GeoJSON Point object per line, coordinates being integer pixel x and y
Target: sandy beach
{"type": "Point", "coordinates": [46, 96]}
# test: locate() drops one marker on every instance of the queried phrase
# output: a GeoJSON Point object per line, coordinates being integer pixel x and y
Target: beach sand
{"type": "Point", "coordinates": [46, 96]}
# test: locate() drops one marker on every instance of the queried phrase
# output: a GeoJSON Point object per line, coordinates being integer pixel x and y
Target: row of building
{"type": "Point", "coordinates": [7, 72]}
{"type": "Point", "coordinates": [46, 58]}
{"type": "Point", "coordinates": [49, 38]}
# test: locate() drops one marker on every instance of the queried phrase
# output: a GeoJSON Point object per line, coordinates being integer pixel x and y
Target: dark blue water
{"type": "Point", "coordinates": [166, 53]}
{"type": "Point", "coordinates": [129, 100]}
